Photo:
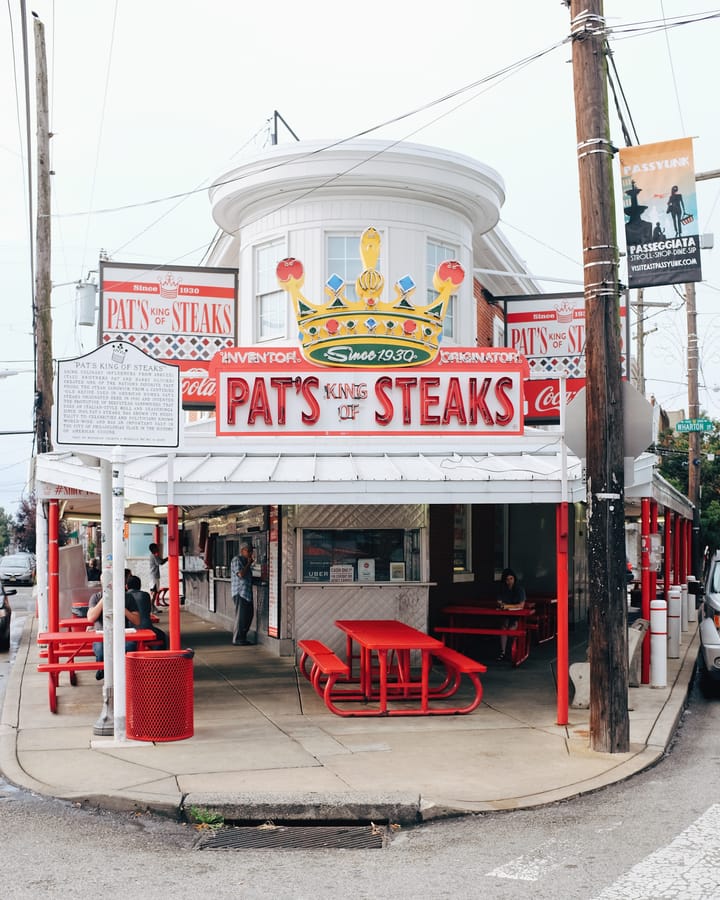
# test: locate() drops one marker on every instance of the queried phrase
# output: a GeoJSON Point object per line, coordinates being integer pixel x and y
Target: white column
{"type": "Point", "coordinates": [118, 591]}
{"type": "Point", "coordinates": [41, 548]}
{"type": "Point", "coordinates": [658, 643]}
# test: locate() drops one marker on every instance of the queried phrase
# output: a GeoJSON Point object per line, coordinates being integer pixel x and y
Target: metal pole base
{"type": "Point", "coordinates": [105, 724]}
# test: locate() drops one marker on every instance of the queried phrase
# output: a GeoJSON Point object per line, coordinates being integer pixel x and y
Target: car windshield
{"type": "Point", "coordinates": [714, 587]}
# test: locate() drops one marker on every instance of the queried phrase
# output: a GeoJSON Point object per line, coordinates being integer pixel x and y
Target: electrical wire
{"type": "Point", "coordinates": [672, 71]}
{"type": "Point", "coordinates": [521, 63]}
{"type": "Point", "coordinates": [100, 132]}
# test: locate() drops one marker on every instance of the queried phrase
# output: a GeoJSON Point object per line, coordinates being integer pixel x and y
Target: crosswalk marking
{"type": "Point", "coordinates": [686, 868]}
{"type": "Point", "coordinates": [533, 865]}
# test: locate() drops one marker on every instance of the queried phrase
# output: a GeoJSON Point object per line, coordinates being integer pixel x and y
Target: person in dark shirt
{"type": "Point", "coordinates": [511, 596]}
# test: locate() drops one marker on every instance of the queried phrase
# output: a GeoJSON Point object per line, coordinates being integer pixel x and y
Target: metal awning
{"type": "Point", "coordinates": [524, 469]}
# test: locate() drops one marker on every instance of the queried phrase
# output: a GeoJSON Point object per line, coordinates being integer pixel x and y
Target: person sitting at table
{"type": "Point", "coordinates": [511, 596]}
{"type": "Point", "coordinates": [95, 616]}
{"type": "Point", "coordinates": [137, 599]}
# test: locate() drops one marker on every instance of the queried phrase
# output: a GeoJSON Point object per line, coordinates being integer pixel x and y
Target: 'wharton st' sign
{"type": "Point", "coordinates": [273, 391]}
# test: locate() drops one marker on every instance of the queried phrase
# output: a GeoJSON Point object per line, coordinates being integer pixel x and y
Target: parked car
{"type": "Point", "coordinates": [18, 568]}
{"type": "Point", "coordinates": [5, 614]}
{"type": "Point", "coordinates": [709, 658]}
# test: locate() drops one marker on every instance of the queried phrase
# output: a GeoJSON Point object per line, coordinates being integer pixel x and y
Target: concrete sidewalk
{"type": "Point", "coordinates": [265, 747]}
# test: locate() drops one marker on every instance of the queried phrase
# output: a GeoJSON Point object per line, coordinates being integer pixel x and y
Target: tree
{"type": "Point", "coordinates": [673, 450]}
{"type": "Point", "coordinates": [24, 526]}
{"type": "Point", "coordinates": [6, 530]}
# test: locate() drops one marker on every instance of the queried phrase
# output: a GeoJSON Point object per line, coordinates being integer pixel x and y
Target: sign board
{"type": "Point", "coordinates": [117, 395]}
{"type": "Point", "coordinates": [179, 313]}
{"type": "Point", "coordinates": [549, 331]}
{"type": "Point", "coordinates": [366, 569]}
{"type": "Point", "coordinates": [661, 217]}
{"type": "Point", "coordinates": [464, 391]}
{"type": "Point", "coordinates": [341, 574]}
{"type": "Point", "coordinates": [686, 425]}
{"type": "Point", "coordinates": [637, 423]}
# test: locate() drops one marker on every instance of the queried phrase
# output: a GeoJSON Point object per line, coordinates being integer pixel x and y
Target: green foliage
{"type": "Point", "coordinates": [24, 527]}
{"type": "Point", "coordinates": [205, 818]}
{"type": "Point", "coordinates": [673, 449]}
{"type": "Point", "coordinates": [6, 531]}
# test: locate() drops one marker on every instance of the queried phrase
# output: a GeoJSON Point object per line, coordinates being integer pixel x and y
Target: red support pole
{"type": "Point", "coordinates": [676, 548]}
{"type": "Point", "coordinates": [682, 568]}
{"type": "Point", "coordinates": [653, 530]}
{"type": "Point", "coordinates": [645, 583]}
{"type": "Point", "coordinates": [563, 660]}
{"type": "Point", "coordinates": [667, 568]}
{"type": "Point", "coordinates": [53, 566]}
{"type": "Point", "coordinates": [174, 577]}
{"type": "Point", "coordinates": [688, 550]}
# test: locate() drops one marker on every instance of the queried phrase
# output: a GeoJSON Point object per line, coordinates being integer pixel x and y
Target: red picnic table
{"type": "Point", "coordinates": [520, 632]}
{"type": "Point", "coordinates": [64, 648]}
{"type": "Point", "coordinates": [392, 642]}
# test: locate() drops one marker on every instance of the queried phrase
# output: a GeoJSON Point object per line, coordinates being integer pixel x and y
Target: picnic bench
{"type": "Point", "coordinates": [462, 621]}
{"type": "Point", "coordinates": [332, 678]}
{"type": "Point", "coordinates": [68, 651]}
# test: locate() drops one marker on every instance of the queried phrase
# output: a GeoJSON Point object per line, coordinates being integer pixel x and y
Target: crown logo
{"type": "Point", "coordinates": [564, 311]}
{"type": "Point", "coordinates": [118, 353]}
{"type": "Point", "coordinates": [169, 287]}
{"type": "Point", "coordinates": [369, 331]}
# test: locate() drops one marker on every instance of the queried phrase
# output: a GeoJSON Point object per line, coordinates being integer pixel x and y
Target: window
{"type": "Point", "coordinates": [270, 301]}
{"type": "Point", "coordinates": [356, 554]}
{"type": "Point", "coordinates": [437, 253]}
{"type": "Point", "coordinates": [498, 332]}
{"type": "Point", "coordinates": [343, 259]}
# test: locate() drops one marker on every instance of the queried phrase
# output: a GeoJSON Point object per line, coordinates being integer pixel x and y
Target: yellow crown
{"type": "Point", "coordinates": [370, 332]}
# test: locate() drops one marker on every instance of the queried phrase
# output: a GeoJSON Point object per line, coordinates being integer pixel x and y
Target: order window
{"type": "Point", "coordinates": [360, 554]}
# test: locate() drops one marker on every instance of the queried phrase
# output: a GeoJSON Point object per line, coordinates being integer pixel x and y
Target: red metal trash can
{"type": "Point", "coordinates": [159, 695]}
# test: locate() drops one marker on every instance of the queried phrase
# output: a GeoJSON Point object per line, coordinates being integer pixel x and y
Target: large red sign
{"type": "Point", "coordinates": [273, 391]}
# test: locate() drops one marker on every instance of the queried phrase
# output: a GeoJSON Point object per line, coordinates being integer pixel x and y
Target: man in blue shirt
{"type": "Point", "coordinates": [241, 590]}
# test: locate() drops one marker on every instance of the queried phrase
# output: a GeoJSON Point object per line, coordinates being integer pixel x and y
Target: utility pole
{"type": "Point", "coordinates": [609, 720]}
{"type": "Point", "coordinates": [42, 315]}
{"type": "Point", "coordinates": [640, 312]}
{"type": "Point", "coordinates": [694, 438]}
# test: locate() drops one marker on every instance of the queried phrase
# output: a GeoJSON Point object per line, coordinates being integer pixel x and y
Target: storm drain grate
{"type": "Point", "coordinates": [295, 837]}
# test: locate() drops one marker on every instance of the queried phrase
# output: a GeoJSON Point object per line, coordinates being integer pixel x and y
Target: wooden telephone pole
{"type": "Point", "coordinates": [609, 721]}
{"type": "Point", "coordinates": [42, 314]}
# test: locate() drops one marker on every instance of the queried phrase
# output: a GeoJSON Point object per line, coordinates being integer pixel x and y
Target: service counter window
{"type": "Point", "coordinates": [360, 555]}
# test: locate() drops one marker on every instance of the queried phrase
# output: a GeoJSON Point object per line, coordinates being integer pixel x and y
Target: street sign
{"type": "Point", "coordinates": [685, 425]}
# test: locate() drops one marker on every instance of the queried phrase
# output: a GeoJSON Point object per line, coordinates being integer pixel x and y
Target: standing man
{"type": "Point", "coordinates": [241, 589]}
{"type": "Point", "coordinates": [155, 562]}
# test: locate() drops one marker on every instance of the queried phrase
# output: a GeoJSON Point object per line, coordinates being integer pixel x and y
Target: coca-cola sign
{"type": "Point", "coordinates": [198, 387]}
{"type": "Point", "coordinates": [543, 398]}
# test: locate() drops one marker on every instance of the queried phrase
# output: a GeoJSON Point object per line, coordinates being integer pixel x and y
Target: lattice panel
{"type": "Point", "coordinates": [406, 516]}
{"type": "Point", "coordinates": [316, 609]}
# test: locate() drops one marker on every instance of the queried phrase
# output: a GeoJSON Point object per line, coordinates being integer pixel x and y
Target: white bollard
{"type": "Point", "coordinates": [691, 601]}
{"type": "Point", "coordinates": [683, 608]}
{"type": "Point", "coordinates": [658, 643]}
{"type": "Point", "coordinates": [673, 622]}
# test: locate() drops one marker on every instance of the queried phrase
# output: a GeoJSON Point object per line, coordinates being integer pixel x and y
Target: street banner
{"type": "Point", "coordinates": [661, 218]}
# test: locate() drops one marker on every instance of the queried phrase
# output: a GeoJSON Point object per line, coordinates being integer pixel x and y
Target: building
{"type": "Point", "coordinates": [369, 521]}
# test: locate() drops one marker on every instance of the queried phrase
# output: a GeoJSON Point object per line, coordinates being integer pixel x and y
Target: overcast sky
{"type": "Point", "coordinates": [155, 99]}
